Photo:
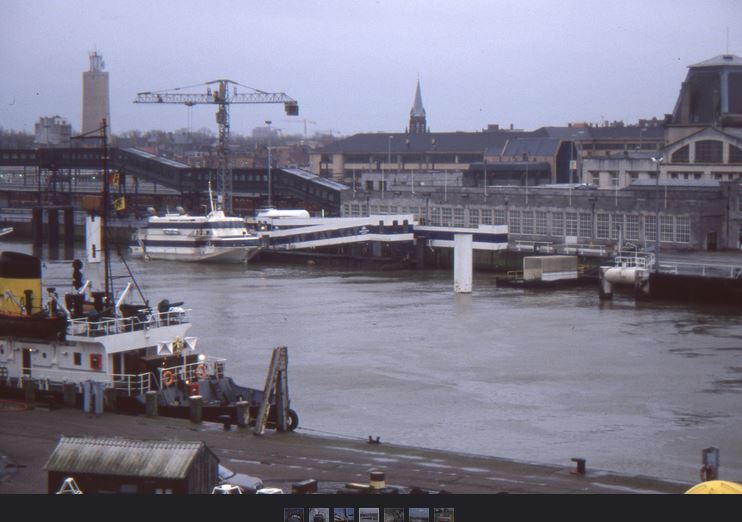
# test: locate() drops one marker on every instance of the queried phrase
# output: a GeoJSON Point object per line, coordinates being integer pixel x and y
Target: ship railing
{"type": "Point", "coordinates": [116, 325]}
{"type": "Point", "coordinates": [636, 260]}
{"type": "Point", "coordinates": [132, 384]}
{"type": "Point", "coordinates": [702, 269]}
{"type": "Point", "coordinates": [206, 368]}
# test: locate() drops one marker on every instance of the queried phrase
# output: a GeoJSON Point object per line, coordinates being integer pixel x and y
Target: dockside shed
{"type": "Point", "coordinates": [117, 465]}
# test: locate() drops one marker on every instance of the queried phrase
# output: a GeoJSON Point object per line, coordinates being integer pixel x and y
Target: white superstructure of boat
{"type": "Point", "coordinates": [182, 237]}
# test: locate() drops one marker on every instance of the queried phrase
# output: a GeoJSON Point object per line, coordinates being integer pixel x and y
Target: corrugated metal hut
{"type": "Point", "coordinates": [116, 465]}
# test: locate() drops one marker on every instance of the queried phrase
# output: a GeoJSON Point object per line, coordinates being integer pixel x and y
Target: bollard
{"type": "Point", "coordinates": [109, 400]}
{"type": "Point", "coordinates": [226, 421]}
{"type": "Point", "coordinates": [150, 405]}
{"type": "Point", "coordinates": [87, 397]}
{"type": "Point", "coordinates": [69, 392]}
{"type": "Point", "coordinates": [29, 391]}
{"type": "Point", "coordinates": [98, 397]}
{"type": "Point", "coordinates": [580, 466]}
{"type": "Point", "coordinates": [377, 479]}
{"type": "Point", "coordinates": [242, 409]}
{"type": "Point", "coordinates": [196, 404]}
{"type": "Point", "coordinates": [710, 468]}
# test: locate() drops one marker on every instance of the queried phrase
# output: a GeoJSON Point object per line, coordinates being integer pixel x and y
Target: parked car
{"type": "Point", "coordinates": [246, 483]}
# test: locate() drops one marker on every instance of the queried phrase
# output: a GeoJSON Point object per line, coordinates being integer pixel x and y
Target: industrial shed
{"type": "Point", "coordinates": [116, 465]}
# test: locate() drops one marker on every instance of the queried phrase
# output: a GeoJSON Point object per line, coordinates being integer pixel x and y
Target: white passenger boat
{"type": "Point", "coordinates": [182, 237]}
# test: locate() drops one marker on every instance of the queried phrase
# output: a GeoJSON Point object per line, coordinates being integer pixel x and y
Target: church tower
{"type": "Point", "coordinates": [418, 123]}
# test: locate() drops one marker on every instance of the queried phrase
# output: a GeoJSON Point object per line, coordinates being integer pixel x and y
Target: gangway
{"type": "Point", "coordinates": [314, 232]}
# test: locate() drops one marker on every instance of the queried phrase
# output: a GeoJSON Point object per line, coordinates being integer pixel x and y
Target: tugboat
{"type": "Point", "coordinates": [93, 337]}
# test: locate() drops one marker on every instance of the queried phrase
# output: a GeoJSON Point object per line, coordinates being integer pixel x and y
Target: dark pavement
{"type": "Point", "coordinates": [28, 437]}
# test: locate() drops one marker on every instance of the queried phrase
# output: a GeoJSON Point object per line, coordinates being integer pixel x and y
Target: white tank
{"type": "Point", "coordinates": [621, 275]}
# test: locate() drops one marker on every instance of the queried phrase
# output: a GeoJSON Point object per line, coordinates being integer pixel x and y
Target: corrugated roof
{"type": "Point", "coordinates": [131, 458]}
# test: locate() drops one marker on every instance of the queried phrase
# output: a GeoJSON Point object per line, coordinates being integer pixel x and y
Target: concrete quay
{"type": "Point", "coordinates": [28, 437]}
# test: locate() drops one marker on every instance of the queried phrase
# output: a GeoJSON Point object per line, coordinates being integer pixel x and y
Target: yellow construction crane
{"type": "Point", "coordinates": [220, 95]}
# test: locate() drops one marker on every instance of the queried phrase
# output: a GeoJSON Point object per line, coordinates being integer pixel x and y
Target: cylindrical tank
{"type": "Point", "coordinates": [621, 275]}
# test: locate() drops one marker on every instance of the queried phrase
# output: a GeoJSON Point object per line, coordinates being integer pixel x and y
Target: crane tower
{"type": "Point", "coordinates": [221, 97]}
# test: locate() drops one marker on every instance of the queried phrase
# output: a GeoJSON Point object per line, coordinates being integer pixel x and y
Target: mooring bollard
{"type": "Point", "coordinates": [377, 479]}
{"type": "Point", "coordinates": [710, 467]}
{"type": "Point", "coordinates": [29, 391]}
{"type": "Point", "coordinates": [580, 470]}
{"type": "Point", "coordinates": [243, 413]}
{"type": "Point", "coordinates": [150, 404]}
{"type": "Point", "coordinates": [305, 486]}
{"type": "Point", "coordinates": [226, 421]}
{"type": "Point", "coordinates": [109, 398]}
{"type": "Point", "coordinates": [69, 392]}
{"type": "Point", "coordinates": [196, 404]}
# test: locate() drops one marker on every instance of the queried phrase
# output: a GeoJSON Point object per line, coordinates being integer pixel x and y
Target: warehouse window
{"type": "Point", "coordinates": [527, 222]}
{"type": "Point", "coordinates": [458, 217]}
{"type": "Point", "coordinates": [473, 217]}
{"type": "Point", "coordinates": [650, 228]}
{"type": "Point", "coordinates": [632, 226]}
{"type": "Point", "coordinates": [586, 225]}
{"type": "Point", "coordinates": [500, 218]}
{"type": "Point", "coordinates": [447, 217]}
{"type": "Point", "coordinates": [557, 224]}
{"type": "Point", "coordinates": [541, 224]}
{"type": "Point", "coordinates": [604, 227]}
{"type": "Point", "coordinates": [570, 224]}
{"type": "Point", "coordinates": [667, 232]}
{"type": "Point", "coordinates": [682, 229]}
{"type": "Point", "coordinates": [514, 221]}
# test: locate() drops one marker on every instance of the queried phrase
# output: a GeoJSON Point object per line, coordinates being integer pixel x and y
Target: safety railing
{"type": "Point", "coordinates": [132, 384]}
{"type": "Point", "coordinates": [115, 325]}
{"type": "Point", "coordinates": [702, 269]}
{"type": "Point", "coordinates": [209, 367]}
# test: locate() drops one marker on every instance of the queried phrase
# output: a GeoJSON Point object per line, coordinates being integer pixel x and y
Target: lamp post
{"type": "Point", "coordinates": [388, 163]}
{"type": "Point", "coordinates": [485, 179]}
{"type": "Point", "coordinates": [270, 191]}
{"type": "Point", "coordinates": [657, 162]}
{"type": "Point", "coordinates": [525, 157]}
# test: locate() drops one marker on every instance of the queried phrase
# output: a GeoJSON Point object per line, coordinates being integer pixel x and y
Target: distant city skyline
{"type": "Point", "coordinates": [354, 66]}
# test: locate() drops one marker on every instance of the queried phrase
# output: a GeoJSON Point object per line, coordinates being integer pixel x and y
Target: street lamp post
{"type": "Point", "coordinates": [657, 162]}
{"type": "Point", "coordinates": [525, 157]}
{"type": "Point", "coordinates": [270, 191]}
{"type": "Point", "coordinates": [485, 179]}
{"type": "Point", "coordinates": [388, 163]}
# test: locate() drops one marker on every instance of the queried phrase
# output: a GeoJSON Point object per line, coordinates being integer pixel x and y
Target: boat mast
{"type": "Point", "coordinates": [104, 216]}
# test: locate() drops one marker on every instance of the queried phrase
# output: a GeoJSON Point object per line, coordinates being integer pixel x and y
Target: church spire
{"type": "Point", "coordinates": [418, 123]}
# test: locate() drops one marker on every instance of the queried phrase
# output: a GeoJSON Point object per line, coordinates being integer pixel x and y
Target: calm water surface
{"type": "Point", "coordinates": [537, 376]}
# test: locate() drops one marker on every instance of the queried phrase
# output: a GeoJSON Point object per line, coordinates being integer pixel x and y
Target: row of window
{"type": "Point", "coordinates": [631, 227]}
{"type": "Point", "coordinates": [707, 151]}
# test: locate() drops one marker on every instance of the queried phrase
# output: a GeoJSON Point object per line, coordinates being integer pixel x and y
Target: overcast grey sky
{"type": "Point", "coordinates": [353, 65]}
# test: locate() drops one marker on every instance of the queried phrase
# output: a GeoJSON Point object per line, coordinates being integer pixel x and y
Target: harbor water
{"type": "Point", "coordinates": [538, 376]}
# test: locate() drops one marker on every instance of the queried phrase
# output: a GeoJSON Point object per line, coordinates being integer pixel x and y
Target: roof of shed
{"type": "Point", "coordinates": [123, 457]}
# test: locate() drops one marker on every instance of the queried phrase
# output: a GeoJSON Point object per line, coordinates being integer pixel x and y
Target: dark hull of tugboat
{"type": "Point", "coordinates": [54, 397]}
{"type": "Point", "coordinates": [35, 327]}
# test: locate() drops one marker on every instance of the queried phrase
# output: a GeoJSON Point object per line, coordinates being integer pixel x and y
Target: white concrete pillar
{"type": "Point", "coordinates": [462, 263]}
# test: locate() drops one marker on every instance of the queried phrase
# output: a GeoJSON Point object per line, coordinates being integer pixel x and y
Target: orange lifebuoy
{"type": "Point", "coordinates": [168, 378]}
{"type": "Point", "coordinates": [201, 371]}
